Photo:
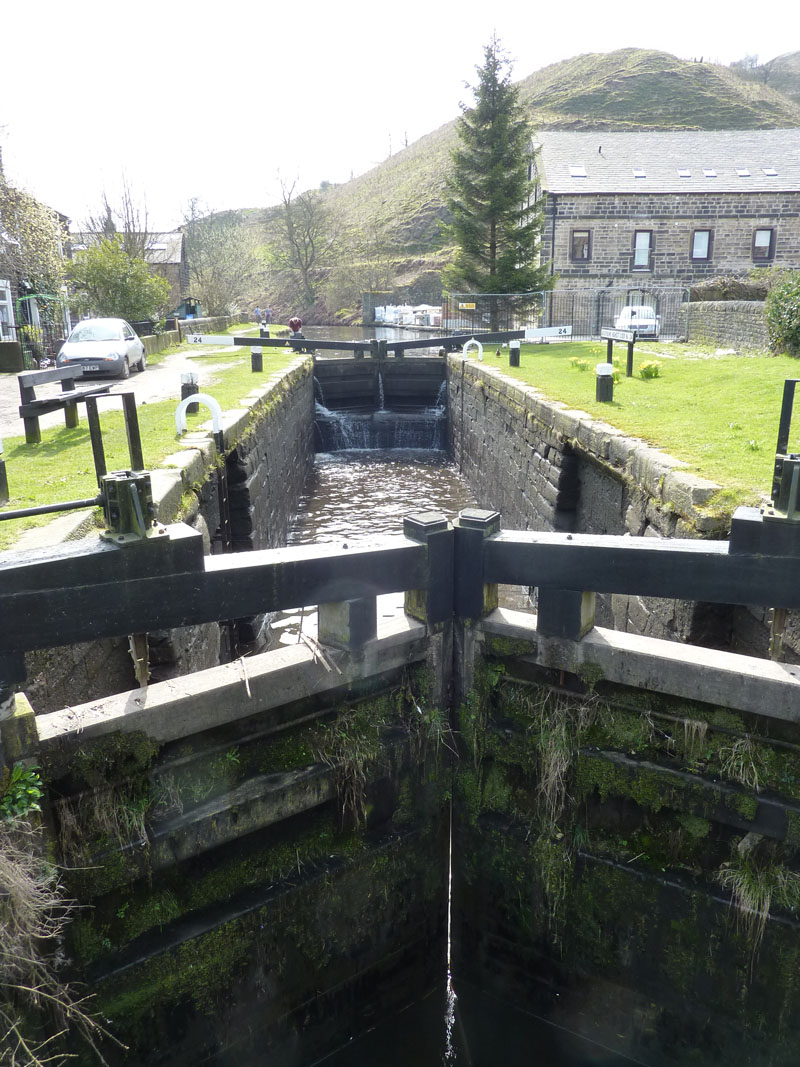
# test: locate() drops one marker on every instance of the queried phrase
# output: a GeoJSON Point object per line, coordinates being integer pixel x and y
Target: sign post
{"type": "Point", "coordinates": [629, 336]}
{"type": "Point", "coordinates": [542, 333]}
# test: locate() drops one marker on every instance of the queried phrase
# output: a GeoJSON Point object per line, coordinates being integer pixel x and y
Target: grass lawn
{"type": "Point", "coordinates": [61, 467]}
{"type": "Point", "coordinates": [717, 413]}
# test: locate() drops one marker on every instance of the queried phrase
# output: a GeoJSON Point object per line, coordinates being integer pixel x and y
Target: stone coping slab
{"type": "Point", "coordinates": [741, 683]}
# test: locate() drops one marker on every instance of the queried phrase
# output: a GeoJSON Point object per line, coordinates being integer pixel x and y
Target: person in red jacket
{"type": "Point", "coordinates": [296, 325]}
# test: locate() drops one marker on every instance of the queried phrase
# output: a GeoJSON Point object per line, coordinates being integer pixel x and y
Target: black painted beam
{"type": "Point", "coordinates": [79, 608]}
{"type": "Point", "coordinates": [647, 566]}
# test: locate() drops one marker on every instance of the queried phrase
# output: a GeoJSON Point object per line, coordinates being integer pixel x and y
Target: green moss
{"type": "Point", "coordinates": [110, 759]}
{"type": "Point", "coordinates": [508, 647]}
{"type": "Point", "coordinates": [694, 825]}
{"type": "Point", "coordinates": [590, 674]}
{"type": "Point", "coordinates": [496, 793]}
{"type": "Point", "coordinates": [654, 788]}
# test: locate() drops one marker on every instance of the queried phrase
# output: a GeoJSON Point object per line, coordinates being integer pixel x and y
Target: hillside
{"type": "Point", "coordinates": [630, 89]}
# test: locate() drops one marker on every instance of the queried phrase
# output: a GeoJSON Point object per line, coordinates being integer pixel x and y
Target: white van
{"type": "Point", "coordinates": [638, 317]}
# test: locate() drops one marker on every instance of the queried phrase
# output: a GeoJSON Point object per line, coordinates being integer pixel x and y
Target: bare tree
{"type": "Point", "coordinates": [224, 265]}
{"type": "Point", "coordinates": [127, 221]}
{"type": "Point", "coordinates": [302, 239]}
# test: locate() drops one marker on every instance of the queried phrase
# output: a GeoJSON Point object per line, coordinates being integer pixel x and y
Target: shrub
{"type": "Point", "coordinates": [579, 364]}
{"type": "Point", "coordinates": [20, 791]}
{"type": "Point", "coordinates": [783, 315]}
{"type": "Point", "coordinates": [651, 368]}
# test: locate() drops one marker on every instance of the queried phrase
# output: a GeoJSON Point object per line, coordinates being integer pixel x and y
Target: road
{"type": "Point", "coordinates": [160, 382]}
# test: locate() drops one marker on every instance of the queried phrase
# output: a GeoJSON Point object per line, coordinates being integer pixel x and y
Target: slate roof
{"type": "Point", "coordinates": [660, 155]}
{"type": "Point", "coordinates": [163, 247]}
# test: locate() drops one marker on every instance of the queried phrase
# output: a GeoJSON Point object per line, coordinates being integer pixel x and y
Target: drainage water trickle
{"type": "Point", "coordinates": [360, 495]}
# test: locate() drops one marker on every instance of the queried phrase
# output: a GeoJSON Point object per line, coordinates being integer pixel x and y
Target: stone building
{"type": "Point", "coordinates": [166, 255]}
{"type": "Point", "coordinates": [644, 210]}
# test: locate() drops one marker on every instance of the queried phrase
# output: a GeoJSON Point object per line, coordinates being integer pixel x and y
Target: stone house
{"type": "Point", "coordinates": [166, 255]}
{"type": "Point", "coordinates": [644, 210]}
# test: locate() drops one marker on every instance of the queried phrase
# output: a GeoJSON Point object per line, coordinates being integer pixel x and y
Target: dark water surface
{"type": "Point", "coordinates": [364, 494]}
{"type": "Point", "coordinates": [486, 1033]}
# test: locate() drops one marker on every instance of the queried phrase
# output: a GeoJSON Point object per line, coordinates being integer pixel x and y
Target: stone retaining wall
{"type": "Point", "coordinates": [269, 444]}
{"type": "Point", "coordinates": [546, 467]}
{"type": "Point", "coordinates": [739, 324]}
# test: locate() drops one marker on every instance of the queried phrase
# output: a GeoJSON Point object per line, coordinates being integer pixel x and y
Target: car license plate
{"type": "Point", "coordinates": [91, 366]}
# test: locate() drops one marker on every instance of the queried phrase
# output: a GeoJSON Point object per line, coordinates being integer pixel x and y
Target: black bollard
{"type": "Point", "coordinates": [4, 494]}
{"type": "Point", "coordinates": [256, 360]}
{"type": "Point", "coordinates": [604, 391]}
{"type": "Point", "coordinates": [190, 386]}
{"type": "Point", "coordinates": [513, 353]}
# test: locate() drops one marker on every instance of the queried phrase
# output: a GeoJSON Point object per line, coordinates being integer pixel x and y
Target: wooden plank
{"type": "Point", "coordinates": [32, 378]}
{"type": "Point", "coordinates": [643, 566]}
{"type": "Point", "coordinates": [229, 587]}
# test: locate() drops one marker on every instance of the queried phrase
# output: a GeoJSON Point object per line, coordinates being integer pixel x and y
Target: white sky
{"type": "Point", "coordinates": [217, 100]}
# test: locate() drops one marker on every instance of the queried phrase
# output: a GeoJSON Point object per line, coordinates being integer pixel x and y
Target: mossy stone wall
{"type": "Point", "coordinates": [627, 865]}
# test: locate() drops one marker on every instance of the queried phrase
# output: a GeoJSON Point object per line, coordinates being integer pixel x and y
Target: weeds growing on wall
{"type": "Point", "coordinates": [34, 999]}
{"type": "Point", "coordinates": [348, 745]}
{"type": "Point", "coordinates": [756, 884]}
{"type": "Point", "coordinates": [353, 741]}
{"type": "Point", "coordinates": [740, 761]}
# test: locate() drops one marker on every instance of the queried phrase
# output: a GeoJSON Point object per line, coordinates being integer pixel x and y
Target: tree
{"type": "Point", "coordinates": [783, 313]}
{"type": "Point", "coordinates": [31, 241]}
{"type": "Point", "coordinates": [303, 240]}
{"type": "Point", "coordinates": [495, 223]}
{"type": "Point", "coordinates": [224, 265]}
{"type": "Point", "coordinates": [126, 221]}
{"type": "Point", "coordinates": [105, 280]}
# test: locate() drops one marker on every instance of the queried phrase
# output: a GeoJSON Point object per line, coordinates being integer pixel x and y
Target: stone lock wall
{"type": "Point", "coordinates": [546, 467]}
{"type": "Point", "coordinates": [739, 324]}
{"type": "Point", "coordinates": [269, 445]}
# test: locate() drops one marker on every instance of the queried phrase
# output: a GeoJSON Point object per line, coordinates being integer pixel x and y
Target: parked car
{"type": "Point", "coordinates": [639, 317]}
{"type": "Point", "coordinates": [103, 347]}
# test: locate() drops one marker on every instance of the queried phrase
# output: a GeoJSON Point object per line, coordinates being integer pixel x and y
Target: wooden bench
{"type": "Point", "coordinates": [31, 408]}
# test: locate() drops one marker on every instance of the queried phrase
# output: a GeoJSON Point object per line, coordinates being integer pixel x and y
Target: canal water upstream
{"type": "Point", "coordinates": [361, 496]}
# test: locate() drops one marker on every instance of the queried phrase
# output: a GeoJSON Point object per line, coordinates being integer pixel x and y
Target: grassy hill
{"type": "Point", "coordinates": [630, 89]}
{"type": "Point", "coordinates": [782, 74]}
{"type": "Point", "coordinates": [393, 212]}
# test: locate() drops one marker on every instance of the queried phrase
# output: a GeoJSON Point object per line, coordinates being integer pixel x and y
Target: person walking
{"type": "Point", "coordinates": [257, 314]}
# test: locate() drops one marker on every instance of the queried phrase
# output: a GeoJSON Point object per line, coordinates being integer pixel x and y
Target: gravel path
{"type": "Point", "coordinates": [161, 382]}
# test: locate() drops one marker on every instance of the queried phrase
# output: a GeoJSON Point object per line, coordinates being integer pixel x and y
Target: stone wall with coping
{"type": "Point", "coordinates": [738, 324]}
{"type": "Point", "coordinates": [546, 467]}
{"type": "Point", "coordinates": [269, 448]}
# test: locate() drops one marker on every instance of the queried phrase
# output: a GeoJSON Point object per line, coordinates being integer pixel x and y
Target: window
{"type": "Point", "coordinates": [580, 246]}
{"type": "Point", "coordinates": [638, 172]}
{"type": "Point", "coordinates": [6, 311]}
{"type": "Point", "coordinates": [763, 244]}
{"type": "Point", "coordinates": [770, 172]}
{"type": "Point", "coordinates": [701, 245]}
{"type": "Point", "coordinates": [743, 172]}
{"type": "Point", "coordinates": [642, 249]}
{"type": "Point", "coordinates": [709, 172]}
{"type": "Point", "coordinates": [577, 171]}
{"type": "Point", "coordinates": [684, 173]}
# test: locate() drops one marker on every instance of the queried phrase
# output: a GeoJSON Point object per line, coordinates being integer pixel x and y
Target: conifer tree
{"type": "Point", "coordinates": [494, 224]}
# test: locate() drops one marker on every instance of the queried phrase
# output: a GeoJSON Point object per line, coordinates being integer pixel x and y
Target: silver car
{"type": "Point", "coordinates": [639, 317]}
{"type": "Point", "coordinates": [103, 347]}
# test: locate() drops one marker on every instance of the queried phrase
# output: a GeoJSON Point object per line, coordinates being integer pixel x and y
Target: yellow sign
{"type": "Point", "coordinates": [466, 307]}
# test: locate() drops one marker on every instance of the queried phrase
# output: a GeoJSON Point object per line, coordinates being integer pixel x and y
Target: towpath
{"type": "Point", "coordinates": [159, 382]}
